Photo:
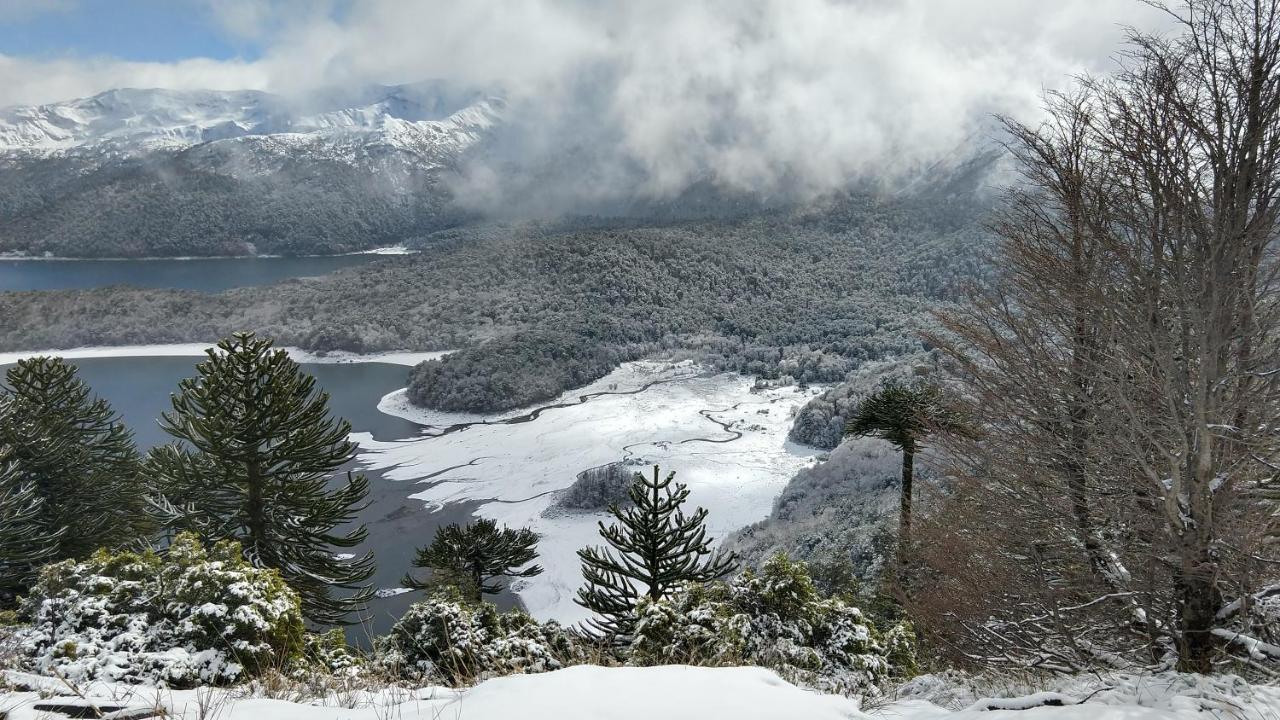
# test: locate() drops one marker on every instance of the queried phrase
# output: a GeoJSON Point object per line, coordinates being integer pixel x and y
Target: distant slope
{"type": "Point", "coordinates": [156, 172]}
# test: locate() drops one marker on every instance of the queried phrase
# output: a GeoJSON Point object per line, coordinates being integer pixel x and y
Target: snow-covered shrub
{"type": "Point", "coordinates": [186, 617]}
{"type": "Point", "coordinates": [330, 653]}
{"type": "Point", "coordinates": [444, 639]}
{"type": "Point", "coordinates": [776, 619]}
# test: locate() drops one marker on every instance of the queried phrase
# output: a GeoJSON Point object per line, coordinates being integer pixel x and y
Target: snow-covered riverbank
{"type": "Point", "coordinates": [198, 350]}
{"type": "Point", "coordinates": [722, 437]}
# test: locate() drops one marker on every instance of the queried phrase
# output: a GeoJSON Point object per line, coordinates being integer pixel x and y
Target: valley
{"type": "Point", "coordinates": [720, 434]}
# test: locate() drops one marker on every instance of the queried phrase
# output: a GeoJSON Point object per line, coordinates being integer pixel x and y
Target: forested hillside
{"type": "Point", "coordinates": [807, 294]}
{"type": "Point", "coordinates": [171, 204]}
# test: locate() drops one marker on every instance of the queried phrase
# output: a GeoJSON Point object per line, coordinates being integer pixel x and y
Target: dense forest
{"type": "Point", "coordinates": [181, 203]}
{"type": "Point", "coordinates": [808, 295]}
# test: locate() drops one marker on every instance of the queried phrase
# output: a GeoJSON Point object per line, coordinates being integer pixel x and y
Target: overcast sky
{"type": "Point", "coordinates": [745, 88]}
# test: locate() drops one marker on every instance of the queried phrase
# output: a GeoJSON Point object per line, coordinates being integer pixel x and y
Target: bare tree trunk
{"type": "Point", "coordinates": [904, 510]}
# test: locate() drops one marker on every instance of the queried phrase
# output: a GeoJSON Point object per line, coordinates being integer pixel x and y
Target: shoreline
{"type": "Point", "coordinates": [397, 357]}
{"type": "Point", "coordinates": [388, 250]}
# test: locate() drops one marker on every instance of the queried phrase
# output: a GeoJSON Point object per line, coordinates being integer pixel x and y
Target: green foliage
{"type": "Point", "coordinates": [71, 462]}
{"type": "Point", "coordinates": [659, 551]}
{"type": "Point", "coordinates": [476, 554]}
{"type": "Point", "coordinates": [258, 451]}
{"type": "Point", "coordinates": [26, 540]}
{"type": "Point", "coordinates": [329, 653]}
{"type": "Point", "coordinates": [776, 619]}
{"type": "Point", "coordinates": [902, 413]}
{"type": "Point", "coordinates": [446, 640]}
{"type": "Point", "coordinates": [186, 617]}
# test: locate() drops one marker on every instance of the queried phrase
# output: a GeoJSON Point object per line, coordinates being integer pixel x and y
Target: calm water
{"type": "Point", "coordinates": [205, 274]}
{"type": "Point", "coordinates": [138, 388]}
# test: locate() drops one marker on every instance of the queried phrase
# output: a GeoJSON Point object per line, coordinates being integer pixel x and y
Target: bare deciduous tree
{"type": "Point", "coordinates": [1126, 370]}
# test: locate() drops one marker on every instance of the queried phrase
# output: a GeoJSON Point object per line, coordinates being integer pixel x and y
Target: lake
{"type": "Point", "coordinates": [139, 387]}
{"type": "Point", "coordinates": [202, 274]}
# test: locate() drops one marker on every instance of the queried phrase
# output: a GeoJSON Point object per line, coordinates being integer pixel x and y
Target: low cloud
{"type": "Point", "coordinates": [756, 94]}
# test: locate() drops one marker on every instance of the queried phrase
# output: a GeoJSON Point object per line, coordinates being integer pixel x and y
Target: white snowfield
{"type": "Point", "coordinates": [670, 692]}
{"type": "Point", "coordinates": [198, 350]}
{"type": "Point", "coordinates": [726, 440]}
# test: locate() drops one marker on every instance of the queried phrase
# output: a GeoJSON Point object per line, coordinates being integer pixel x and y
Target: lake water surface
{"type": "Point", "coordinates": [139, 387]}
{"type": "Point", "coordinates": [203, 274]}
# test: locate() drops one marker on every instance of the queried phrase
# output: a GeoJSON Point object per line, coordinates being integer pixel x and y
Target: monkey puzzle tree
{"type": "Point", "coordinates": [474, 556]}
{"type": "Point", "coordinates": [76, 455]}
{"type": "Point", "coordinates": [659, 550]}
{"type": "Point", "coordinates": [903, 414]}
{"type": "Point", "coordinates": [259, 450]}
{"type": "Point", "coordinates": [26, 540]}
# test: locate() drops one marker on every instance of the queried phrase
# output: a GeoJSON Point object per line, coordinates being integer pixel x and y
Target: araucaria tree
{"type": "Point", "coordinates": [474, 556]}
{"type": "Point", "coordinates": [1123, 369]}
{"type": "Point", "coordinates": [256, 462]}
{"type": "Point", "coordinates": [26, 542]}
{"type": "Point", "coordinates": [72, 451]}
{"type": "Point", "coordinates": [658, 551]}
{"type": "Point", "coordinates": [903, 414]}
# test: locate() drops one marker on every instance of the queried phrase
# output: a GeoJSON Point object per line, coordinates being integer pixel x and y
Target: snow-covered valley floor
{"type": "Point", "coordinates": [671, 693]}
{"type": "Point", "coordinates": [722, 437]}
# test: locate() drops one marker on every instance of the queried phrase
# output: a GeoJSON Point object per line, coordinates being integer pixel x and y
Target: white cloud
{"type": "Point", "coordinates": [757, 92]}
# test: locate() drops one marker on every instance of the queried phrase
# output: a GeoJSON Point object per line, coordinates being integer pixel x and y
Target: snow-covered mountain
{"type": "Point", "coordinates": [163, 172]}
{"type": "Point", "coordinates": [418, 118]}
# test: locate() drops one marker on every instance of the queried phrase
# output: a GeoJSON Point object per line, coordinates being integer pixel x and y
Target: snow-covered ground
{"type": "Point", "coordinates": [723, 438]}
{"type": "Point", "coordinates": [198, 350]}
{"type": "Point", "coordinates": [670, 693]}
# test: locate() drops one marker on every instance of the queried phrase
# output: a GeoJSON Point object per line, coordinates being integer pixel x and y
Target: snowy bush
{"type": "Point", "coordinates": [188, 617]}
{"type": "Point", "coordinates": [776, 619]}
{"type": "Point", "coordinates": [444, 639]}
{"type": "Point", "coordinates": [328, 652]}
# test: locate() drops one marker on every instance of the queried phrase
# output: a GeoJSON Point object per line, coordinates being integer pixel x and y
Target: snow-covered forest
{"type": "Point", "coordinates": [936, 446]}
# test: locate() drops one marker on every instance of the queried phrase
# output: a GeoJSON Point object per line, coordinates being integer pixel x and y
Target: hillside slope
{"type": "Point", "coordinates": [131, 173]}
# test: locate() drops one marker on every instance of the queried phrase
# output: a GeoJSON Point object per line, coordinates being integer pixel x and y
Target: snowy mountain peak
{"type": "Point", "coordinates": [139, 120]}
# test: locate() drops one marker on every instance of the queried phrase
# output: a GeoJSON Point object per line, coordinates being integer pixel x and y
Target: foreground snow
{"type": "Point", "coordinates": [670, 693]}
{"type": "Point", "coordinates": [198, 350]}
{"type": "Point", "coordinates": [722, 437]}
